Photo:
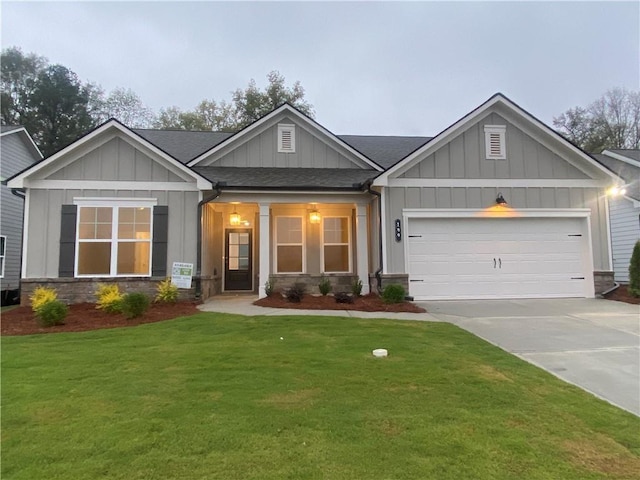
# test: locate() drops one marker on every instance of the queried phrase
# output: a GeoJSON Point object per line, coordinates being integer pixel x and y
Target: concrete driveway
{"type": "Point", "coordinates": [592, 343]}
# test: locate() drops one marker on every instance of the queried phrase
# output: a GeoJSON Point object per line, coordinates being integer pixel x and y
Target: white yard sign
{"type": "Point", "coordinates": [181, 274]}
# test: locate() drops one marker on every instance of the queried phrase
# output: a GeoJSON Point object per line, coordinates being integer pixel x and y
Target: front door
{"type": "Point", "coordinates": [237, 265]}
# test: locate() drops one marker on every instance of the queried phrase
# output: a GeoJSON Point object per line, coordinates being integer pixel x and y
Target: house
{"type": "Point", "coordinates": [497, 205]}
{"type": "Point", "coordinates": [17, 152]}
{"type": "Point", "coordinates": [624, 208]}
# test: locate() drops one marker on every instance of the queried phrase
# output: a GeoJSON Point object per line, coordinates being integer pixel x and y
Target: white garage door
{"type": "Point", "coordinates": [497, 258]}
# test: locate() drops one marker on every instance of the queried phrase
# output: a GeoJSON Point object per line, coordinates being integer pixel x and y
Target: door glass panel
{"type": "Point", "coordinates": [243, 263]}
{"type": "Point", "coordinates": [243, 251]}
{"type": "Point", "coordinates": [233, 251]}
{"type": "Point", "coordinates": [233, 239]}
{"type": "Point", "coordinates": [233, 263]}
{"type": "Point", "coordinates": [243, 238]}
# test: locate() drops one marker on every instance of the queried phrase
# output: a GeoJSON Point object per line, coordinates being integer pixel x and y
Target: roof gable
{"type": "Point", "coordinates": [519, 117]}
{"type": "Point", "coordinates": [26, 138]}
{"type": "Point", "coordinates": [286, 113]}
{"type": "Point", "coordinates": [94, 140]}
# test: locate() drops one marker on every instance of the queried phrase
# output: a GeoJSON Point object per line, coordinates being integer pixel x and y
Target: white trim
{"type": "Point", "coordinates": [3, 254]}
{"type": "Point", "coordinates": [114, 204]}
{"type": "Point", "coordinates": [265, 247]}
{"type": "Point", "coordinates": [506, 212]}
{"type": "Point", "coordinates": [267, 118]}
{"type": "Point", "coordinates": [201, 182]}
{"type": "Point", "coordinates": [323, 244]}
{"type": "Point", "coordinates": [302, 244]}
{"type": "Point", "coordinates": [383, 228]}
{"type": "Point", "coordinates": [275, 198]}
{"type": "Point", "coordinates": [489, 131]}
{"type": "Point", "coordinates": [608, 221]}
{"type": "Point", "coordinates": [25, 234]}
{"type": "Point", "coordinates": [445, 136]}
{"type": "Point", "coordinates": [283, 129]}
{"type": "Point", "coordinates": [622, 158]}
{"type": "Point", "coordinates": [32, 144]}
{"type": "Point", "coordinates": [496, 182]}
{"type": "Point", "coordinates": [110, 185]}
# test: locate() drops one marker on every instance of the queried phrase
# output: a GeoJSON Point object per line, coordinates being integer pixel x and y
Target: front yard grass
{"type": "Point", "coordinates": [216, 396]}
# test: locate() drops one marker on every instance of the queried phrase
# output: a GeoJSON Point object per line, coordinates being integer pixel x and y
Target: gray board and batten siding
{"type": "Point", "coordinates": [259, 149]}
{"type": "Point", "coordinates": [115, 160]}
{"type": "Point", "coordinates": [625, 232]}
{"type": "Point", "coordinates": [15, 156]}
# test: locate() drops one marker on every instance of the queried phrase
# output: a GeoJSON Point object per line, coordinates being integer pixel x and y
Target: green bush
{"type": "Point", "coordinates": [166, 292]}
{"type": "Point", "coordinates": [634, 271]}
{"type": "Point", "coordinates": [296, 292]}
{"type": "Point", "coordinates": [393, 293]}
{"type": "Point", "coordinates": [109, 298]}
{"type": "Point", "coordinates": [324, 286]}
{"type": "Point", "coordinates": [52, 313]}
{"type": "Point", "coordinates": [356, 288]}
{"type": "Point", "coordinates": [134, 304]}
{"type": "Point", "coordinates": [343, 297]}
{"type": "Point", "coordinates": [268, 287]}
{"type": "Point", "coordinates": [41, 296]}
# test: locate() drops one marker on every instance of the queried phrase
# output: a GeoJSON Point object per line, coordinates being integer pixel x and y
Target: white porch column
{"type": "Point", "coordinates": [362, 247]}
{"type": "Point", "coordinates": [265, 249]}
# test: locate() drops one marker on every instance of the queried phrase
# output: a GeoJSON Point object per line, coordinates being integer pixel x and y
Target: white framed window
{"type": "Point", "coordinates": [3, 254]}
{"type": "Point", "coordinates": [494, 142]}
{"type": "Point", "coordinates": [336, 245]}
{"type": "Point", "coordinates": [289, 245]}
{"type": "Point", "coordinates": [114, 237]}
{"type": "Point", "coordinates": [286, 138]}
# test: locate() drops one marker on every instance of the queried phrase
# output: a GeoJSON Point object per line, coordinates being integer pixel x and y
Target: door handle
{"type": "Point", "coordinates": [500, 262]}
{"type": "Point", "coordinates": [494, 263]}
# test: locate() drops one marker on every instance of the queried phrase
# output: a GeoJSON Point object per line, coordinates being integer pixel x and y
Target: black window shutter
{"type": "Point", "coordinates": [67, 241]}
{"type": "Point", "coordinates": [160, 235]}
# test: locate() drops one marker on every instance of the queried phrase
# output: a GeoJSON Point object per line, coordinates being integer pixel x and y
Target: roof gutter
{"type": "Point", "coordinates": [217, 191]}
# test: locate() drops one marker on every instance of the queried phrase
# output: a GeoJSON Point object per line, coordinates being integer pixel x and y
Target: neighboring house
{"type": "Point", "coordinates": [17, 152]}
{"type": "Point", "coordinates": [624, 209]}
{"type": "Point", "coordinates": [498, 205]}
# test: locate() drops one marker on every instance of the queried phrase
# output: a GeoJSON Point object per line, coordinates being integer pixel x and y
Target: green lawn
{"type": "Point", "coordinates": [223, 397]}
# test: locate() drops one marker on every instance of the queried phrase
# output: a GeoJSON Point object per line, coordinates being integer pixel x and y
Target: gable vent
{"type": "Point", "coordinates": [286, 138]}
{"type": "Point", "coordinates": [494, 138]}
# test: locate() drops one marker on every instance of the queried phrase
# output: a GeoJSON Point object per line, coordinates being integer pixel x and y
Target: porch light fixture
{"type": "Point", "coordinates": [234, 218]}
{"type": "Point", "coordinates": [615, 191]}
{"type": "Point", "coordinates": [500, 200]}
{"type": "Point", "coordinates": [314, 216]}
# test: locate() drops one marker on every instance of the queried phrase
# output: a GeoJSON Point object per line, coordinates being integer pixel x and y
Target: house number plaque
{"type": "Point", "coordinates": [398, 230]}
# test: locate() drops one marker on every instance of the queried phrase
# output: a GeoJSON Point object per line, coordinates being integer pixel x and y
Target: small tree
{"type": "Point", "coordinates": [634, 271]}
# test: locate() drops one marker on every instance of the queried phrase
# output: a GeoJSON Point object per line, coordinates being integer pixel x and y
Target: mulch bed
{"type": "Point", "coordinates": [85, 316]}
{"type": "Point", "coordinates": [621, 294]}
{"type": "Point", "coordinates": [365, 303]}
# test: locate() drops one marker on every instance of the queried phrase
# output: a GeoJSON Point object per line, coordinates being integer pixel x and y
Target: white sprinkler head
{"type": "Point", "coordinates": [380, 352]}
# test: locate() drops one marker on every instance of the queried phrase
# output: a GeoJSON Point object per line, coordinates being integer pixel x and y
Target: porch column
{"type": "Point", "coordinates": [362, 247]}
{"type": "Point", "coordinates": [265, 249]}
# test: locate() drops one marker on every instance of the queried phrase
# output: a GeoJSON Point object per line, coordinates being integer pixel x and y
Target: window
{"type": "Point", "coordinates": [335, 248]}
{"type": "Point", "coordinates": [114, 240]}
{"type": "Point", "coordinates": [286, 138]}
{"type": "Point", "coordinates": [3, 253]}
{"type": "Point", "coordinates": [289, 245]}
{"type": "Point", "coordinates": [494, 141]}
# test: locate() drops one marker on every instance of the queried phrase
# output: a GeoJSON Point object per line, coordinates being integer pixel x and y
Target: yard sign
{"type": "Point", "coordinates": [181, 274]}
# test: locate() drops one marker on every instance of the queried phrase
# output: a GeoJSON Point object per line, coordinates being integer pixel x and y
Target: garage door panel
{"type": "Point", "coordinates": [496, 258]}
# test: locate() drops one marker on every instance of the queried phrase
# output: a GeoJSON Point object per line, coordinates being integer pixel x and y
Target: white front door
{"type": "Point", "coordinates": [467, 258]}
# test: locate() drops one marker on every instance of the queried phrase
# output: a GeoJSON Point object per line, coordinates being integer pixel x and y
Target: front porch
{"type": "Point", "coordinates": [250, 239]}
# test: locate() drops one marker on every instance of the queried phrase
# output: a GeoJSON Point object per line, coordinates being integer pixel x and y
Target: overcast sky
{"type": "Point", "coordinates": [368, 68]}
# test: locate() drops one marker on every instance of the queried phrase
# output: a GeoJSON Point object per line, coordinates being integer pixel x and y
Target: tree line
{"type": "Point", "coordinates": [56, 107]}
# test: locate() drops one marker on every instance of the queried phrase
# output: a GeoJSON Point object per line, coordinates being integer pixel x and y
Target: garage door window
{"type": "Point", "coordinates": [336, 245]}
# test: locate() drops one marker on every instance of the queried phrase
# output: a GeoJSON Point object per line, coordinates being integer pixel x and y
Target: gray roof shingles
{"type": "Point", "coordinates": [9, 128]}
{"type": "Point", "coordinates": [632, 154]}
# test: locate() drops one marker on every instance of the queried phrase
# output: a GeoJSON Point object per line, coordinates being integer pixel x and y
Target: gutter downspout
{"type": "Point", "coordinates": [216, 193]}
{"type": "Point", "coordinates": [377, 273]}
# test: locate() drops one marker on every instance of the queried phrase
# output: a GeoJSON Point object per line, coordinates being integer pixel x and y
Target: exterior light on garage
{"type": "Point", "coordinates": [615, 191]}
{"type": "Point", "coordinates": [500, 200]}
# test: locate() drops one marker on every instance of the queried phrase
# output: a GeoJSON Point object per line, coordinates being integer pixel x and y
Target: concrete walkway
{"type": "Point", "coordinates": [591, 343]}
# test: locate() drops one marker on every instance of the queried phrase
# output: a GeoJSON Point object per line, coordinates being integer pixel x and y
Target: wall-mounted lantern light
{"type": "Point", "coordinates": [500, 200]}
{"type": "Point", "coordinates": [314, 216]}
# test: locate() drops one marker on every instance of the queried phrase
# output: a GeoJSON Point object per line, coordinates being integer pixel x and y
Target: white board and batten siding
{"type": "Point", "coordinates": [488, 258]}
{"type": "Point", "coordinates": [625, 232]}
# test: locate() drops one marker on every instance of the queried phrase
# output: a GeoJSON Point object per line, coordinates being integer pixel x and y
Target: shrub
{"type": "Point", "coordinates": [109, 298]}
{"type": "Point", "coordinates": [166, 292]}
{"type": "Point", "coordinates": [134, 304]}
{"type": "Point", "coordinates": [41, 296]}
{"type": "Point", "coordinates": [356, 288]}
{"type": "Point", "coordinates": [393, 293]}
{"type": "Point", "coordinates": [324, 286]}
{"type": "Point", "coordinates": [52, 313]}
{"type": "Point", "coordinates": [634, 271]}
{"type": "Point", "coordinates": [268, 287]}
{"type": "Point", "coordinates": [296, 292]}
{"type": "Point", "coordinates": [343, 297]}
